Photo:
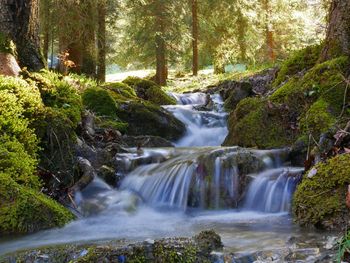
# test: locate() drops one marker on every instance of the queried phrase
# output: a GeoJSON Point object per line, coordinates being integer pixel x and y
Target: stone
{"type": "Point", "coordinates": [9, 65]}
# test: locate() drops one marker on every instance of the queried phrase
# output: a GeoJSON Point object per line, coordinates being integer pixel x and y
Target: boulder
{"type": "Point", "coordinates": [149, 119]}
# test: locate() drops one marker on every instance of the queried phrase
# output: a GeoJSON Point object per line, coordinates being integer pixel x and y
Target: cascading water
{"type": "Point", "coordinates": [228, 189]}
{"type": "Point", "coordinates": [206, 126]}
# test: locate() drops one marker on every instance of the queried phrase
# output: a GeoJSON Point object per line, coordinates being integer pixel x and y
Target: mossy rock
{"type": "Point", "coordinates": [309, 104]}
{"type": "Point", "coordinates": [147, 119]}
{"type": "Point", "coordinates": [254, 124]}
{"type": "Point", "coordinates": [301, 60]}
{"type": "Point", "coordinates": [100, 101]}
{"type": "Point", "coordinates": [320, 200]}
{"type": "Point", "coordinates": [23, 210]}
{"type": "Point", "coordinates": [318, 119]}
{"type": "Point", "coordinates": [123, 90]}
{"type": "Point", "coordinates": [150, 91]}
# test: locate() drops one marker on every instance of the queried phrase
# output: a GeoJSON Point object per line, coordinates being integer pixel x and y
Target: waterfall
{"type": "Point", "coordinates": [204, 117]}
{"type": "Point", "coordinates": [272, 190]}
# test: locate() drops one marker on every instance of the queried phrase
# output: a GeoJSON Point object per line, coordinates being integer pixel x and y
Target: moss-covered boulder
{"type": "Point", "coordinates": [149, 90]}
{"type": "Point", "coordinates": [320, 199]}
{"type": "Point", "coordinates": [148, 119]}
{"type": "Point", "coordinates": [100, 101]}
{"type": "Point", "coordinates": [23, 210]}
{"type": "Point", "coordinates": [121, 92]}
{"type": "Point", "coordinates": [255, 123]}
{"type": "Point", "coordinates": [304, 105]}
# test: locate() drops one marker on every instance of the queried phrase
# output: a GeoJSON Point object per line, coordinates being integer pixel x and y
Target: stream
{"type": "Point", "coordinates": [243, 194]}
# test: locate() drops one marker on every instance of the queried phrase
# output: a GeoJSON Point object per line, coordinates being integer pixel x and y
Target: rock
{"type": "Point", "coordinates": [108, 175]}
{"type": "Point", "coordinates": [149, 119]}
{"type": "Point", "coordinates": [88, 174]}
{"type": "Point", "coordinates": [163, 250]}
{"type": "Point", "coordinates": [238, 92]}
{"type": "Point", "coordinates": [208, 241]}
{"type": "Point", "coordinates": [9, 65]}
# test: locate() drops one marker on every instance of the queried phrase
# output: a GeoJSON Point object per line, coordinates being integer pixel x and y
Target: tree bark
{"type": "Point", "coordinates": [19, 21]}
{"type": "Point", "coordinates": [101, 42]}
{"type": "Point", "coordinates": [241, 32]}
{"type": "Point", "coordinates": [195, 63]}
{"type": "Point", "coordinates": [270, 43]}
{"type": "Point", "coordinates": [88, 44]}
{"type": "Point", "coordinates": [338, 32]}
{"type": "Point", "coordinates": [160, 45]}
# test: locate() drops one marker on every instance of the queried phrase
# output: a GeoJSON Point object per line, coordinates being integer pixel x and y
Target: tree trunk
{"type": "Point", "coordinates": [270, 43]}
{"type": "Point", "coordinates": [241, 35]}
{"type": "Point", "coordinates": [88, 44]}
{"type": "Point", "coordinates": [161, 61]}
{"type": "Point", "coordinates": [195, 37]}
{"type": "Point", "coordinates": [338, 33]}
{"type": "Point", "coordinates": [101, 42]}
{"type": "Point", "coordinates": [19, 21]}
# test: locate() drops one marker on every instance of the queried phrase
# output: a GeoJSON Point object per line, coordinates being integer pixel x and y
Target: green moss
{"type": "Point", "coordinates": [301, 60]}
{"type": "Point", "coordinates": [100, 101]}
{"type": "Point", "coordinates": [58, 93]}
{"type": "Point", "coordinates": [150, 91]}
{"type": "Point", "coordinates": [158, 96]}
{"type": "Point", "coordinates": [16, 161]}
{"type": "Point", "coordinates": [318, 119]}
{"type": "Point", "coordinates": [122, 89]}
{"type": "Point", "coordinates": [254, 124]}
{"type": "Point", "coordinates": [23, 210]}
{"type": "Point", "coordinates": [6, 45]}
{"type": "Point", "coordinates": [320, 200]}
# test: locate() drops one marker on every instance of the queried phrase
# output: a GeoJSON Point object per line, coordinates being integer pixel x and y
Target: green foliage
{"type": "Point", "coordinates": [320, 200]}
{"type": "Point", "coordinates": [344, 248]}
{"type": "Point", "coordinates": [23, 210]}
{"type": "Point", "coordinates": [300, 60]}
{"type": "Point", "coordinates": [100, 101]}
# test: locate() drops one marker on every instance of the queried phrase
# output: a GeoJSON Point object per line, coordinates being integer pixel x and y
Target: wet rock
{"type": "Point", "coordinates": [163, 250]}
{"type": "Point", "coordinates": [108, 175]}
{"type": "Point", "coordinates": [148, 119]}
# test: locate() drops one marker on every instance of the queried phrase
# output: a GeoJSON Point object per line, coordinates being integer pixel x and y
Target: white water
{"type": "Point", "coordinates": [181, 191]}
{"type": "Point", "coordinates": [204, 128]}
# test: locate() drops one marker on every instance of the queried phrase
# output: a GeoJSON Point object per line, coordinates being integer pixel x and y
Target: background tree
{"type": "Point", "coordinates": [194, 4]}
{"type": "Point", "coordinates": [20, 23]}
{"type": "Point", "coordinates": [338, 32]}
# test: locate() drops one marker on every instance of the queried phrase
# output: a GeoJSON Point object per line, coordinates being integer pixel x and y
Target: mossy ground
{"type": "Point", "coordinates": [320, 200]}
